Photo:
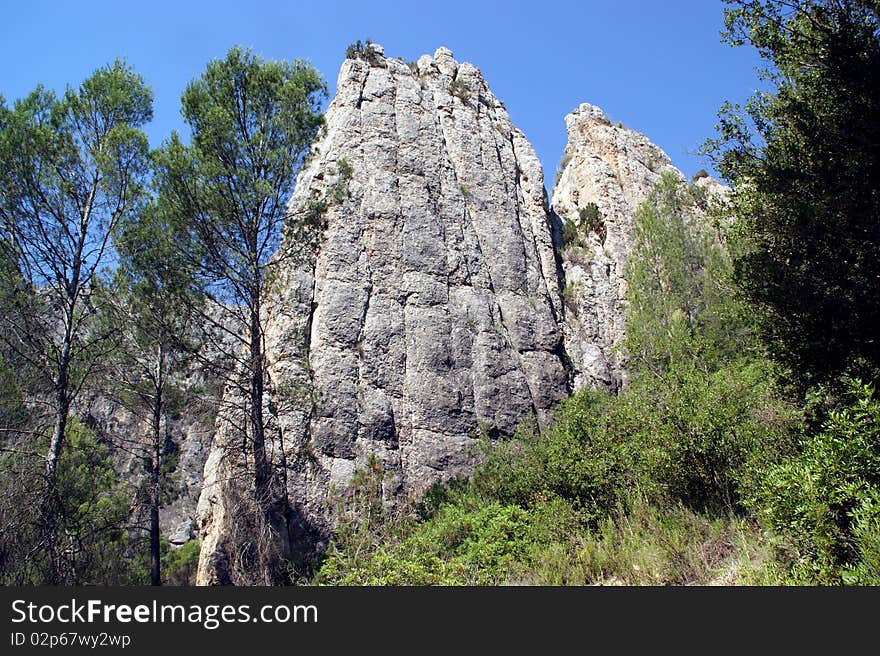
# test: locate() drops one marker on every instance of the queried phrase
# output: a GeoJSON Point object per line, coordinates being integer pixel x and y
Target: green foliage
{"type": "Point", "coordinates": [823, 503]}
{"type": "Point", "coordinates": [345, 169]}
{"type": "Point", "coordinates": [653, 545]}
{"type": "Point", "coordinates": [94, 510]}
{"type": "Point", "coordinates": [866, 537]}
{"type": "Point", "coordinates": [57, 152]}
{"type": "Point", "coordinates": [153, 275]}
{"type": "Point", "coordinates": [582, 459]}
{"type": "Point", "coordinates": [12, 410]}
{"type": "Point", "coordinates": [74, 168]}
{"type": "Point", "coordinates": [472, 541]}
{"type": "Point", "coordinates": [179, 564]}
{"type": "Point", "coordinates": [252, 122]}
{"type": "Point", "coordinates": [570, 236]}
{"type": "Point", "coordinates": [703, 436]}
{"type": "Point", "coordinates": [682, 310]}
{"type": "Point", "coordinates": [340, 191]}
{"type": "Point", "coordinates": [459, 89]}
{"type": "Point", "coordinates": [590, 220]}
{"type": "Point", "coordinates": [804, 158]}
{"type": "Point", "coordinates": [704, 400]}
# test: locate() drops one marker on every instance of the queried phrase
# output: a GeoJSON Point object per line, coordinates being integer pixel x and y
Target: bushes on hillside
{"type": "Point", "coordinates": [823, 504]}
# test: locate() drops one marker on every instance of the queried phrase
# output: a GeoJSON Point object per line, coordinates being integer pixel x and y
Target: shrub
{"type": "Point", "coordinates": [570, 236]}
{"type": "Point", "coordinates": [701, 436]}
{"type": "Point", "coordinates": [824, 503]}
{"type": "Point", "coordinates": [93, 513]}
{"type": "Point", "coordinates": [458, 89]}
{"type": "Point", "coordinates": [365, 51]}
{"type": "Point", "coordinates": [702, 173]}
{"type": "Point", "coordinates": [179, 564]}
{"type": "Point", "coordinates": [580, 458]}
{"type": "Point", "coordinates": [590, 219]}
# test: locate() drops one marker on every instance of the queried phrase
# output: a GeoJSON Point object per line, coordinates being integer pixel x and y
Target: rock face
{"type": "Point", "coordinates": [606, 172]}
{"type": "Point", "coordinates": [187, 437]}
{"type": "Point", "coordinates": [443, 299]}
{"type": "Point", "coordinates": [431, 309]}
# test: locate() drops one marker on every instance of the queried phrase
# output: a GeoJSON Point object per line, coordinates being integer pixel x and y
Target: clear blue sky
{"type": "Point", "coordinates": [658, 66]}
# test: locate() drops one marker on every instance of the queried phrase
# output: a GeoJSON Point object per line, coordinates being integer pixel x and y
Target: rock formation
{"type": "Point", "coordinates": [444, 299]}
{"type": "Point", "coordinates": [606, 172]}
{"type": "Point", "coordinates": [431, 310]}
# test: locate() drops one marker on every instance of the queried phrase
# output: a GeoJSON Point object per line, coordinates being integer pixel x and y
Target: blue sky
{"type": "Point", "coordinates": [657, 66]}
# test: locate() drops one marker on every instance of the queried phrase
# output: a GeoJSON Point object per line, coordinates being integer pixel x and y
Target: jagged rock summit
{"type": "Point", "coordinates": [430, 311]}
{"type": "Point", "coordinates": [607, 171]}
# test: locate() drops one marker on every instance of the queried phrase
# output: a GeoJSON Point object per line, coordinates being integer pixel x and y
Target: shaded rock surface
{"type": "Point", "coordinates": [187, 443]}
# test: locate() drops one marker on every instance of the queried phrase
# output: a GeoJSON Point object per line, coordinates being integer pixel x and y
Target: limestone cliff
{"type": "Point", "coordinates": [606, 172]}
{"type": "Point", "coordinates": [443, 297]}
{"type": "Point", "coordinates": [430, 311]}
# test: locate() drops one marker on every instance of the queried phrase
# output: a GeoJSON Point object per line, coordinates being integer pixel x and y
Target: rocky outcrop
{"type": "Point", "coordinates": [443, 298]}
{"type": "Point", "coordinates": [605, 174]}
{"type": "Point", "coordinates": [430, 311]}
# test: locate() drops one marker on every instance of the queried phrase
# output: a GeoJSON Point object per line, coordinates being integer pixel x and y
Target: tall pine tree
{"type": "Point", "coordinates": [252, 122]}
{"type": "Point", "coordinates": [74, 167]}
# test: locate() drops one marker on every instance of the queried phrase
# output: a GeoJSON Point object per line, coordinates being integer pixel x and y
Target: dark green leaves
{"type": "Point", "coordinates": [805, 159]}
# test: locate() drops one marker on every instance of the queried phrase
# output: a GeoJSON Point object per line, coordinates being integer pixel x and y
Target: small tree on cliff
{"type": "Point", "coordinates": [73, 168]}
{"type": "Point", "coordinates": [252, 122]}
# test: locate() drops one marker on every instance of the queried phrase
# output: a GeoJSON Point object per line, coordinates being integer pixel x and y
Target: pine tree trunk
{"type": "Point", "coordinates": [155, 470]}
{"type": "Point", "coordinates": [59, 571]}
{"type": "Point", "coordinates": [261, 465]}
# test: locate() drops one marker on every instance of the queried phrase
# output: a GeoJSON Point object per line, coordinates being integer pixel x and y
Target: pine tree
{"type": "Point", "coordinates": [252, 122]}
{"type": "Point", "coordinates": [74, 167]}
{"type": "Point", "coordinates": [154, 305]}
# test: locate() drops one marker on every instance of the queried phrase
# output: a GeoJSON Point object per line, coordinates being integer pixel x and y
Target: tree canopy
{"type": "Point", "coordinates": [804, 159]}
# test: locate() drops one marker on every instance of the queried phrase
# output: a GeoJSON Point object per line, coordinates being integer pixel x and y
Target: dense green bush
{"type": "Point", "coordinates": [583, 459]}
{"type": "Point", "coordinates": [803, 156]}
{"type": "Point", "coordinates": [362, 50]}
{"type": "Point", "coordinates": [704, 398]}
{"type": "Point", "coordinates": [94, 511]}
{"type": "Point", "coordinates": [570, 236]}
{"type": "Point", "coordinates": [702, 436]}
{"type": "Point", "coordinates": [682, 307]}
{"type": "Point", "coordinates": [590, 219]}
{"type": "Point", "coordinates": [179, 564]}
{"type": "Point", "coordinates": [824, 503]}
